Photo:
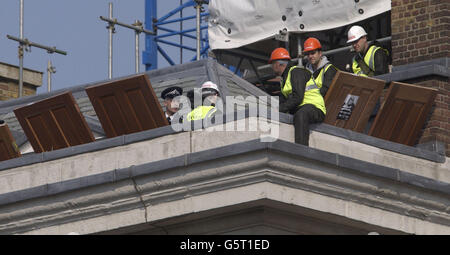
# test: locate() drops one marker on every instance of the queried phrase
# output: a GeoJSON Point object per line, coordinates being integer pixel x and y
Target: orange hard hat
{"type": "Point", "coordinates": [279, 54]}
{"type": "Point", "coordinates": [311, 44]}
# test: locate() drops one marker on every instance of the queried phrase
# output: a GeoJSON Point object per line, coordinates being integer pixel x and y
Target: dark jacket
{"type": "Point", "coordinates": [299, 78]}
{"type": "Point", "coordinates": [327, 77]}
{"type": "Point", "coordinates": [381, 59]}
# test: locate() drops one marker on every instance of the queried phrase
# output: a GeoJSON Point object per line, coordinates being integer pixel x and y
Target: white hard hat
{"type": "Point", "coordinates": [210, 85]}
{"type": "Point", "coordinates": [355, 33]}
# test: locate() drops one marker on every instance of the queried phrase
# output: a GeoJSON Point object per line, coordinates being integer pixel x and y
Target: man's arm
{"type": "Point", "coordinates": [381, 62]}
{"type": "Point", "coordinates": [327, 79]}
{"type": "Point", "coordinates": [299, 78]}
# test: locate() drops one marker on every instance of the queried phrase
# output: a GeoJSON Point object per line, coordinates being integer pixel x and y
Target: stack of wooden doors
{"type": "Point", "coordinates": [351, 100]}
{"type": "Point", "coordinates": [130, 105]}
{"type": "Point", "coordinates": [122, 106]}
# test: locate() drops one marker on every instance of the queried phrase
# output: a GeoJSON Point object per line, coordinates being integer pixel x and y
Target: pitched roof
{"type": "Point", "coordinates": [188, 76]}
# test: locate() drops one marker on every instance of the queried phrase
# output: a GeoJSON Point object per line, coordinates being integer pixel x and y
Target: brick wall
{"type": "Point", "coordinates": [10, 89]}
{"type": "Point", "coordinates": [420, 31]}
{"type": "Point", "coordinates": [438, 125]}
{"type": "Point", "coordinates": [9, 81]}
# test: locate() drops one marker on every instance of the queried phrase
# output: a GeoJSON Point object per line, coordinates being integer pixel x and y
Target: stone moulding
{"type": "Point", "coordinates": [238, 166]}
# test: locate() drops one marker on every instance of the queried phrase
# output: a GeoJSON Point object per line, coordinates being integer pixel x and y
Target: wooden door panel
{"type": "Point", "coordinates": [54, 123]}
{"type": "Point", "coordinates": [403, 113]}
{"type": "Point", "coordinates": [127, 106]}
{"type": "Point", "coordinates": [64, 124]}
{"type": "Point", "coordinates": [334, 111]}
{"type": "Point", "coordinates": [42, 133]}
{"type": "Point", "coordinates": [147, 101]}
{"type": "Point", "coordinates": [139, 107]}
{"type": "Point", "coordinates": [112, 114]}
{"type": "Point", "coordinates": [368, 90]}
{"type": "Point", "coordinates": [4, 151]}
{"type": "Point", "coordinates": [8, 146]}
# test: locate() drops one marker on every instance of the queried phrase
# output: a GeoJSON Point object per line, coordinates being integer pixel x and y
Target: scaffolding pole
{"type": "Point", "coordinates": [198, 8]}
{"type": "Point", "coordinates": [111, 29]}
{"type": "Point", "coordinates": [181, 35]}
{"type": "Point", "coordinates": [137, 27]}
{"type": "Point", "coordinates": [50, 69]}
{"type": "Point", "coordinates": [28, 43]}
{"type": "Point", "coordinates": [21, 51]}
{"type": "Point", "coordinates": [334, 51]}
{"type": "Point", "coordinates": [136, 42]}
{"type": "Point", "coordinates": [25, 43]}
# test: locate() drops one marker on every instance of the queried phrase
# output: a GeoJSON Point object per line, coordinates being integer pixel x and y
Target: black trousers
{"type": "Point", "coordinates": [305, 115]}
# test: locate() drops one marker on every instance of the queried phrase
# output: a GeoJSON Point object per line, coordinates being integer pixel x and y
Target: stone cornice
{"type": "Point", "coordinates": [236, 166]}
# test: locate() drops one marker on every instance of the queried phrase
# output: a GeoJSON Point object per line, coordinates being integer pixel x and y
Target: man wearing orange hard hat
{"type": "Point", "coordinates": [322, 70]}
{"type": "Point", "coordinates": [298, 98]}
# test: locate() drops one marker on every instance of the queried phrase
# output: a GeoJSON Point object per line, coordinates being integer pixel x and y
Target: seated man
{"type": "Point", "coordinates": [323, 71]}
{"type": "Point", "coordinates": [298, 98]}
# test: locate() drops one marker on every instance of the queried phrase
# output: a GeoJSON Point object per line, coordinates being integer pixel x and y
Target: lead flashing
{"type": "Point", "coordinates": [436, 67]}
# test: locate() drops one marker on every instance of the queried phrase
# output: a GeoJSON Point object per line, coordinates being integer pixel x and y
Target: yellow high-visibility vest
{"type": "Point", "coordinates": [369, 59]}
{"type": "Point", "coordinates": [319, 80]}
{"type": "Point", "coordinates": [201, 112]}
{"type": "Point", "coordinates": [312, 92]}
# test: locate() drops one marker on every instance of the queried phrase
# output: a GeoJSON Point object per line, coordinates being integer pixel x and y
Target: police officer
{"type": "Point", "coordinates": [370, 59]}
{"type": "Point", "coordinates": [171, 105]}
{"type": "Point", "coordinates": [298, 98]}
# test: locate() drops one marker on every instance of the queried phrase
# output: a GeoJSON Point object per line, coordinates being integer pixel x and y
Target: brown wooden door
{"type": "Point", "coordinates": [54, 123]}
{"type": "Point", "coordinates": [403, 113]}
{"type": "Point", "coordinates": [8, 146]}
{"type": "Point", "coordinates": [364, 90]}
{"type": "Point", "coordinates": [127, 106]}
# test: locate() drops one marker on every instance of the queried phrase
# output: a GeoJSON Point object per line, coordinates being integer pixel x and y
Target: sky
{"type": "Point", "coordinates": [75, 27]}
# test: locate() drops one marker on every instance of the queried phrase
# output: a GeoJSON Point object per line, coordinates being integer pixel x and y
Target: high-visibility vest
{"type": "Point", "coordinates": [312, 92]}
{"type": "Point", "coordinates": [201, 112]}
{"type": "Point", "coordinates": [369, 59]}
{"type": "Point", "coordinates": [319, 80]}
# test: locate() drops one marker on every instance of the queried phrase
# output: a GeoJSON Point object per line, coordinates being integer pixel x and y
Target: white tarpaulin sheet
{"type": "Point", "coordinates": [234, 23]}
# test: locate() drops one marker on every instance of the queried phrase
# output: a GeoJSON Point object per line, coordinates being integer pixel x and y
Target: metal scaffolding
{"type": "Point", "coordinates": [25, 44]}
{"type": "Point", "coordinates": [156, 43]}
{"type": "Point", "coordinates": [136, 26]}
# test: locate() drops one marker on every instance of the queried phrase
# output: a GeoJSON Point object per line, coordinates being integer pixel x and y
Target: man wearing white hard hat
{"type": "Point", "coordinates": [210, 93]}
{"type": "Point", "coordinates": [370, 59]}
